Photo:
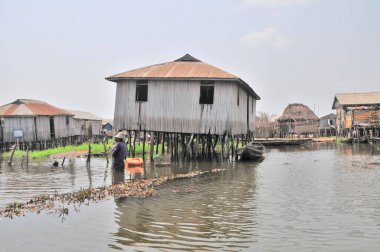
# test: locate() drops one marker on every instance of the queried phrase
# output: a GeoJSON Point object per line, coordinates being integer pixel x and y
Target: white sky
{"type": "Point", "coordinates": [287, 50]}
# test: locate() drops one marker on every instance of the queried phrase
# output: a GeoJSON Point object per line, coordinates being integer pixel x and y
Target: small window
{"type": "Point", "coordinates": [67, 120]}
{"type": "Point", "coordinates": [142, 91]}
{"type": "Point", "coordinates": [207, 92]}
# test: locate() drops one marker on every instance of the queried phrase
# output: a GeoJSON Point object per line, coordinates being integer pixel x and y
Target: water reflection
{"type": "Point", "coordinates": [23, 183]}
{"type": "Point", "coordinates": [217, 217]}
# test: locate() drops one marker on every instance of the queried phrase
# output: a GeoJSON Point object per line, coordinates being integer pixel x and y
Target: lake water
{"type": "Point", "coordinates": [322, 197]}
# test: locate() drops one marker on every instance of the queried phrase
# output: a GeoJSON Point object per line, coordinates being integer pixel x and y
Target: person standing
{"type": "Point", "coordinates": [119, 152]}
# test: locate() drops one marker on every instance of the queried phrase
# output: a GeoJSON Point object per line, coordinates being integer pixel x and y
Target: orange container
{"type": "Point", "coordinates": [134, 162]}
{"type": "Point", "coordinates": [134, 170]}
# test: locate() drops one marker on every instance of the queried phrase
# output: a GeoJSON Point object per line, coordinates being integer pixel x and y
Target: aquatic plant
{"type": "Point", "coordinates": [55, 203]}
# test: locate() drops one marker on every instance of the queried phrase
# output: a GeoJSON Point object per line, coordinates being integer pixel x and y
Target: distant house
{"type": "Point", "coordinates": [184, 96]}
{"type": "Point", "coordinates": [359, 112]}
{"type": "Point", "coordinates": [30, 121]}
{"type": "Point", "coordinates": [297, 120]}
{"type": "Point", "coordinates": [85, 123]}
{"type": "Point", "coordinates": [107, 124]}
{"type": "Point", "coordinates": [327, 125]}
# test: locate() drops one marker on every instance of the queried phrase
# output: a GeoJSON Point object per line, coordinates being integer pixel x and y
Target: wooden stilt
{"type": "Point", "coordinates": [143, 147]}
{"type": "Point", "coordinates": [134, 144]}
{"type": "Point", "coordinates": [151, 145]}
{"type": "Point", "coordinates": [163, 144]}
{"type": "Point", "coordinates": [157, 141]}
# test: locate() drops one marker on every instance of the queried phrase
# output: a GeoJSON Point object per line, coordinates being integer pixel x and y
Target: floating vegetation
{"type": "Point", "coordinates": [58, 203]}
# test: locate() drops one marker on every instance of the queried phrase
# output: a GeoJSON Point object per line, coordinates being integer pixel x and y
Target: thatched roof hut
{"type": "Point", "coordinates": [297, 112]}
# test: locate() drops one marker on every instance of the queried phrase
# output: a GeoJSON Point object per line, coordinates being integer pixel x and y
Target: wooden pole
{"type": "Point", "coordinates": [151, 144]}
{"type": "Point", "coordinates": [163, 143]}
{"type": "Point", "coordinates": [157, 142]}
{"type": "Point", "coordinates": [89, 153]}
{"type": "Point", "coordinates": [130, 142]}
{"type": "Point", "coordinates": [134, 144]}
{"type": "Point", "coordinates": [223, 145]}
{"type": "Point", "coordinates": [105, 151]}
{"type": "Point", "coordinates": [63, 161]}
{"type": "Point", "coordinates": [13, 152]}
{"type": "Point", "coordinates": [27, 156]}
{"type": "Point", "coordinates": [143, 148]}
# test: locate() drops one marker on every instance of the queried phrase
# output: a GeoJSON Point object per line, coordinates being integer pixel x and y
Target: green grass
{"type": "Point", "coordinates": [95, 149]}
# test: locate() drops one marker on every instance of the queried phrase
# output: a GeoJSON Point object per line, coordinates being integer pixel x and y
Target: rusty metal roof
{"type": "Point", "coordinates": [84, 115]}
{"type": "Point", "coordinates": [346, 99]}
{"type": "Point", "coordinates": [186, 67]}
{"type": "Point", "coordinates": [27, 107]}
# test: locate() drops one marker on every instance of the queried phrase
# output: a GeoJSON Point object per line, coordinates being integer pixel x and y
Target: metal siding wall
{"type": "Point", "coordinates": [173, 106]}
{"type": "Point", "coordinates": [26, 124]}
{"type": "Point", "coordinates": [96, 127]}
{"type": "Point", "coordinates": [60, 127]}
{"type": "Point", "coordinates": [43, 128]}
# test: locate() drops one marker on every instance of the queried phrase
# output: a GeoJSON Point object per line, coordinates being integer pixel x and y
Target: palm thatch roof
{"type": "Point", "coordinates": [297, 112]}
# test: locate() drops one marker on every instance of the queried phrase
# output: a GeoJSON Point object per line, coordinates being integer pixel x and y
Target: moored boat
{"type": "Point", "coordinates": [251, 151]}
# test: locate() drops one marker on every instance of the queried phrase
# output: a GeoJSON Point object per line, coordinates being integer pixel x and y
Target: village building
{"type": "Point", "coordinates": [107, 124]}
{"type": "Point", "coordinates": [357, 114]}
{"type": "Point", "coordinates": [30, 121]}
{"type": "Point", "coordinates": [297, 120]}
{"type": "Point", "coordinates": [85, 124]}
{"type": "Point", "coordinates": [327, 125]}
{"type": "Point", "coordinates": [184, 96]}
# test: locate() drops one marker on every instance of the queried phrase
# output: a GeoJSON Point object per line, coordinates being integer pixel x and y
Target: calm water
{"type": "Point", "coordinates": [318, 198]}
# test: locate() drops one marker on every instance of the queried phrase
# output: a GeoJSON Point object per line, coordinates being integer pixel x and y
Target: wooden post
{"type": "Point", "coordinates": [13, 152]}
{"type": "Point", "coordinates": [134, 144]}
{"type": "Point", "coordinates": [189, 145]}
{"type": "Point", "coordinates": [157, 142]}
{"type": "Point", "coordinates": [215, 143]}
{"type": "Point", "coordinates": [176, 144]}
{"type": "Point", "coordinates": [237, 142]}
{"type": "Point", "coordinates": [63, 161]}
{"type": "Point", "coordinates": [143, 148]}
{"type": "Point", "coordinates": [232, 147]}
{"type": "Point", "coordinates": [223, 143]}
{"type": "Point", "coordinates": [163, 143]}
{"type": "Point", "coordinates": [197, 146]}
{"type": "Point", "coordinates": [151, 144]}
{"type": "Point", "coordinates": [130, 142]}
{"type": "Point", "coordinates": [105, 151]}
{"type": "Point", "coordinates": [89, 153]}
{"type": "Point", "coordinates": [27, 156]}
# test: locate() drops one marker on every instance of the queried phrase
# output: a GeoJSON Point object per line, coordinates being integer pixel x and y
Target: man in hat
{"type": "Point", "coordinates": [119, 152]}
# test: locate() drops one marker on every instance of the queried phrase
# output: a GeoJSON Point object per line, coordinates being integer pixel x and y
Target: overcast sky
{"type": "Point", "coordinates": [288, 50]}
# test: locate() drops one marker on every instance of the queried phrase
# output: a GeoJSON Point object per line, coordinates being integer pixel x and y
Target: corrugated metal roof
{"type": "Point", "coordinates": [84, 115]}
{"type": "Point", "coordinates": [27, 107]}
{"type": "Point", "coordinates": [329, 116]}
{"type": "Point", "coordinates": [372, 98]}
{"type": "Point", "coordinates": [186, 67]}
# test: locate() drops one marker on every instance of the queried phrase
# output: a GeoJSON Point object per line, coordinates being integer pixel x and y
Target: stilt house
{"type": "Point", "coordinates": [327, 125]}
{"type": "Point", "coordinates": [359, 112]}
{"type": "Point", "coordinates": [85, 124]}
{"type": "Point", "coordinates": [184, 96]}
{"type": "Point", "coordinates": [297, 120]}
{"type": "Point", "coordinates": [33, 121]}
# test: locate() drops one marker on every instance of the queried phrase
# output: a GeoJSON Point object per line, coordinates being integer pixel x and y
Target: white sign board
{"type": "Point", "coordinates": [18, 133]}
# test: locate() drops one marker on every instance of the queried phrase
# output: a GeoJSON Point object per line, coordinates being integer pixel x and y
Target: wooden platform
{"type": "Point", "coordinates": [282, 141]}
